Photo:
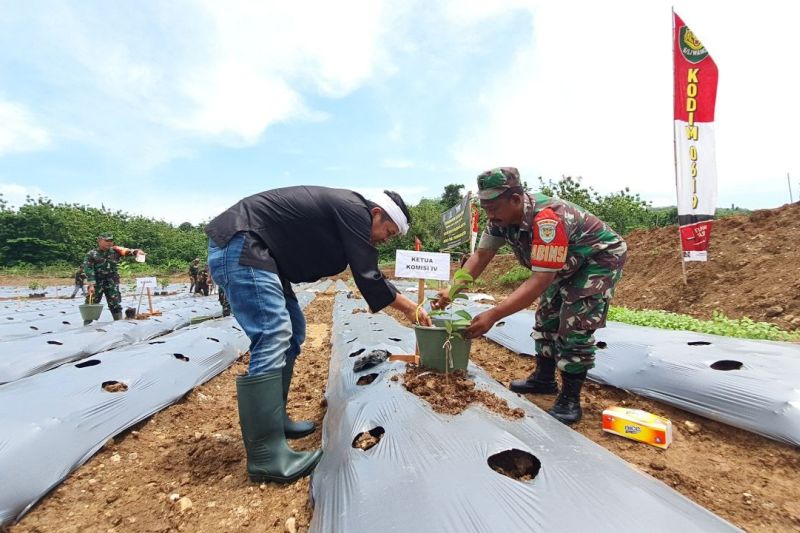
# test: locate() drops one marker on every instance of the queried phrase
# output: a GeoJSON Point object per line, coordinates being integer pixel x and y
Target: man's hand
{"type": "Point", "coordinates": [480, 324]}
{"type": "Point", "coordinates": [90, 288]}
{"type": "Point", "coordinates": [422, 316]}
{"type": "Point", "coordinates": [442, 299]}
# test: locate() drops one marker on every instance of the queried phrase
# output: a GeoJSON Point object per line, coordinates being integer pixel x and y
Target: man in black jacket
{"type": "Point", "coordinates": [256, 249]}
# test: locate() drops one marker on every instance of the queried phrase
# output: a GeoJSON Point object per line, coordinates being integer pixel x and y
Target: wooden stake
{"type": "Point", "coordinates": [149, 300]}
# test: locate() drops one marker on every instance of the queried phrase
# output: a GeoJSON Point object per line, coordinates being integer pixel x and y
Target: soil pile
{"type": "Point", "coordinates": [452, 393]}
{"type": "Point", "coordinates": [753, 270]}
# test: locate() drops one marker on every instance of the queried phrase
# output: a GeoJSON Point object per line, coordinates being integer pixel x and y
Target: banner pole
{"type": "Point", "coordinates": [789, 182]}
{"type": "Point", "coordinates": [675, 149]}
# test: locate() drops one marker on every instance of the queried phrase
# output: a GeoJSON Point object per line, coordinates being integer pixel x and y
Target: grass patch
{"type": "Point", "coordinates": [516, 275]}
{"type": "Point", "coordinates": [744, 328]}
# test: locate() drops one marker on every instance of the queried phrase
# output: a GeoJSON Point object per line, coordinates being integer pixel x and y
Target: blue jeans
{"type": "Point", "coordinates": [274, 324]}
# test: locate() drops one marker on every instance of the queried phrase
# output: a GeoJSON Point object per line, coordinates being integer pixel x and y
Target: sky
{"type": "Point", "coordinates": [178, 109]}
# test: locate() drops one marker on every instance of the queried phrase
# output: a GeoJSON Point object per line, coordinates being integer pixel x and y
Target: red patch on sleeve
{"type": "Point", "coordinates": [550, 241]}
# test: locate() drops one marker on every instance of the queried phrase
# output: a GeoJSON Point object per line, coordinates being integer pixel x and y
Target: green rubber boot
{"type": "Point", "coordinates": [301, 428]}
{"type": "Point", "coordinates": [117, 315]}
{"type": "Point", "coordinates": [261, 414]}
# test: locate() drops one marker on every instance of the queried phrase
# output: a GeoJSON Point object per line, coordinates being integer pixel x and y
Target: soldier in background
{"type": "Point", "coordinates": [194, 269]}
{"type": "Point", "coordinates": [576, 261]}
{"type": "Point", "coordinates": [80, 277]}
{"type": "Point", "coordinates": [102, 277]}
{"type": "Point", "coordinates": [202, 279]}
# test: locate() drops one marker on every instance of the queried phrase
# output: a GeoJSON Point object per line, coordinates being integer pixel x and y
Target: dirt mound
{"type": "Point", "coordinates": [753, 270]}
{"type": "Point", "coordinates": [453, 393]}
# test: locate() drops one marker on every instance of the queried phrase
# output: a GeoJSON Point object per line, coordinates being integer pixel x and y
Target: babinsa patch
{"type": "Point", "coordinates": [547, 230]}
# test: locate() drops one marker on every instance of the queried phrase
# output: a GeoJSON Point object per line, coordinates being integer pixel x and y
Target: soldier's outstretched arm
{"type": "Point", "coordinates": [520, 299]}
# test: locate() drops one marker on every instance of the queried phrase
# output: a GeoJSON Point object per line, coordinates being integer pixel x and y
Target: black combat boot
{"type": "Point", "coordinates": [567, 408]}
{"type": "Point", "coordinates": [541, 381]}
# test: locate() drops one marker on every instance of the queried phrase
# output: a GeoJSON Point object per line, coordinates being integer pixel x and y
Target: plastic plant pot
{"type": "Point", "coordinates": [90, 311]}
{"type": "Point", "coordinates": [432, 353]}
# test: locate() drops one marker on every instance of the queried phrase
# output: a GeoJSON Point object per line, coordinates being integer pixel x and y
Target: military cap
{"type": "Point", "coordinates": [496, 181]}
{"type": "Point", "coordinates": [106, 236]}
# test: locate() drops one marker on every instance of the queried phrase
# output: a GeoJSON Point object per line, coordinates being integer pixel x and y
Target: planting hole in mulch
{"type": "Point", "coordinates": [65, 322]}
{"type": "Point", "coordinates": [515, 464]}
{"type": "Point", "coordinates": [395, 339]}
{"type": "Point", "coordinates": [212, 339]}
{"type": "Point", "coordinates": [34, 328]}
{"type": "Point", "coordinates": [727, 365]}
{"type": "Point", "coordinates": [57, 343]}
{"type": "Point", "coordinates": [114, 386]}
{"type": "Point", "coordinates": [156, 342]}
{"type": "Point", "coordinates": [180, 356]}
{"type": "Point", "coordinates": [500, 324]}
{"type": "Point", "coordinates": [452, 393]}
{"type": "Point", "coordinates": [366, 380]}
{"type": "Point", "coordinates": [601, 344]}
{"type": "Point", "coordinates": [351, 340]}
{"type": "Point", "coordinates": [357, 352]}
{"type": "Point", "coordinates": [368, 439]}
{"type": "Point", "coordinates": [698, 343]}
{"type": "Point", "coordinates": [237, 329]}
{"type": "Point", "coordinates": [90, 362]}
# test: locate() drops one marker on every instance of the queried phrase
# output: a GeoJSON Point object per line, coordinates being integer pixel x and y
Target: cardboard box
{"type": "Point", "coordinates": [638, 425]}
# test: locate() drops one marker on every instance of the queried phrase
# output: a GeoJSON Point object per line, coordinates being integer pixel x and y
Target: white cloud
{"type": "Point", "coordinates": [19, 129]}
{"type": "Point", "coordinates": [146, 81]}
{"type": "Point", "coordinates": [591, 96]}
{"type": "Point", "coordinates": [15, 193]}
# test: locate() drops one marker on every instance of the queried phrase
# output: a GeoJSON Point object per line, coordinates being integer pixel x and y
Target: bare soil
{"type": "Point", "coordinates": [452, 393]}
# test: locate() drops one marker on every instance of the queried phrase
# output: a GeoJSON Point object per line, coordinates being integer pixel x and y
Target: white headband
{"type": "Point", "coordinates": [392, 209]}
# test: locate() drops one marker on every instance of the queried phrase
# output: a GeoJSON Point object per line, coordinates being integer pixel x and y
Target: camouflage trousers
{"type": "Point", "coordinates": [110, 288]}
{"type": "Point", "coordinates": [571, 309]}
{"type": "Point", "coordinates": [223, 301]}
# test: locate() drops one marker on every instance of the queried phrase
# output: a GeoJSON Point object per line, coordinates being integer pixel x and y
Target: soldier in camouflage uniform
{"type": "Point", "coordinates": [100, 267]}
{"type": "Point", "coordinates": [576, 261]}
{"type": "Point", "coordinates": [223, 301]}
{"type": "Point", "coordinates": [194, 269]}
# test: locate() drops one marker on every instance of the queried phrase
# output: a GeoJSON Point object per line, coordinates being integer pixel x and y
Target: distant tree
{"type": "Point", "coordinates": [452, 195]}
{"type": "Point", "coordinates": [186, 226]}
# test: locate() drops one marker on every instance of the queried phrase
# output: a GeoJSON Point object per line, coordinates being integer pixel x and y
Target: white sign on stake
{"type": "Point", "coordinates": [422, 265]}
{"type": "Point", "coordinates": [143, 283]}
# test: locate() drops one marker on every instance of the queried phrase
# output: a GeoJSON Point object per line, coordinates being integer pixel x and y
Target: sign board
{"type": "Point", "coordinates": [422, 265]}
{"type": "Point", "coordinates": [457, 222]}
{"type": "Point", "coordinates": [143, 283]}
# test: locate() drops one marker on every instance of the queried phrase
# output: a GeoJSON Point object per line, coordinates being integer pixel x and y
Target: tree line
{"type": "Point", "coordinates": [41, 232]}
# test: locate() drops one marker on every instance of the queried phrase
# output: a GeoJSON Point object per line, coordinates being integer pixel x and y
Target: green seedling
{"type": "Point", "coordinates": [456, 321]}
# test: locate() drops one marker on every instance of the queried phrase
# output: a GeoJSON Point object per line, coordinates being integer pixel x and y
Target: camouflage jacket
{"type": "Point", "coordinates": [103, 265]}
{"type": "Point", "coordinates": [555, 236]}
{"type": "Point", "coordinates": [193, 270]}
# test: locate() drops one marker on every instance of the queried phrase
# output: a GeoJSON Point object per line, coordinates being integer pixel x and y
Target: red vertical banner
{"type": "Point", "coordinates": [695, 89]}
{"type": "Point", "coordinates": [417, 244]}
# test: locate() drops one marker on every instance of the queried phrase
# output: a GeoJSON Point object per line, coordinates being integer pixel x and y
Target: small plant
{"type": "Point", "coordinates": [33, 286]}
{"type": "Point", "coordinates": [456, 321]}
{"type": "Point", "coordinates": [718, 325]}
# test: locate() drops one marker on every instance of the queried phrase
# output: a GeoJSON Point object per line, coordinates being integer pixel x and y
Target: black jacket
{"type": "Point", "coordinates": [305, 233]}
